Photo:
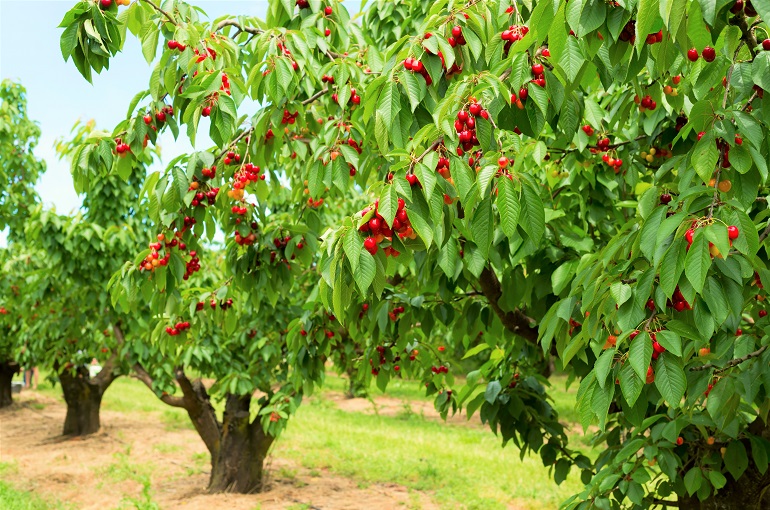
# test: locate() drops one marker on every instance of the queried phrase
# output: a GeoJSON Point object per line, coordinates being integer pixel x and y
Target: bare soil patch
{"type": "Point", "coordinates": [108, 469]}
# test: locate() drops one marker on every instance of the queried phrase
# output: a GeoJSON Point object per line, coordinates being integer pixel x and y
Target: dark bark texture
{"type": "Point", "coordinates": [7, 370]}
{"type": "Point", "coordinates": [84, 400]}
{"type": "Point", "coordinates": [238, 446]}
{"type": "Point", "coordinates": [83, 394]}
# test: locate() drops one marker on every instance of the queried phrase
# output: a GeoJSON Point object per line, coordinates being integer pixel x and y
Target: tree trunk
{"type": "Point", "coordinates": [237, 465]}
{"type": "Point", "coordinates": [7, 370]}
{"type": "Point", "coordinates": [84, 399]}
{"type": "Point", "coordinates": [355, 388]}
{"type": "Point", "coordinates": [238, 447]}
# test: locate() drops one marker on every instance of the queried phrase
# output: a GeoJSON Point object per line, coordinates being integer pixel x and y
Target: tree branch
{"type": "Point", "coordinates": [514, 321]}
{"type": "Point", "coordinates": [157, 8]}
{"type": "Point", "coordinates": [731, 363]}
{"type": "Point", "coordinates": [142, 375]}
{"type": "Point", "coordinates": [110, 370]}
{"type": "Point", "coordinates": [234, 23]}
{"type": "Point", "coordinates": [315, 96]}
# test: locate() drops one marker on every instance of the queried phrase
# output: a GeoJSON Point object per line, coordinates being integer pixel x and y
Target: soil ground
{"type": "Point", "coordinates": [111, 469]}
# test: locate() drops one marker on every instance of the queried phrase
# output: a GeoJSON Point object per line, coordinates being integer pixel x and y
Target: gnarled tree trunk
{"type": "Point", "coordinates": [237, 464]}
{"type": "Point", "coordinates": [83, 394]}
{"type": "Point", "coordinates": [238, 446]}
{"type": "Point", "coordinates": [84, 399]}
{"type": "Point", "coordinates": [7, 370]}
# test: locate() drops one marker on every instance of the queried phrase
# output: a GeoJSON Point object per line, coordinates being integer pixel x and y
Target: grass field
{"type": "Point", "coordinates": [461, 465]}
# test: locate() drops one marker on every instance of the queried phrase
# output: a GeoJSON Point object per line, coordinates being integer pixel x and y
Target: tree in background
{"type": "Point", "coordinates": [19, 172]}
{"type": "Point", "coordinates": [577, 180]}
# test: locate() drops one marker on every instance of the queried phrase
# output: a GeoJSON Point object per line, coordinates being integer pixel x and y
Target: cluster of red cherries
{"type": "Point", "coordinates": [177, 328]}
{"type": "Point", "coordinates": [398, 310]}
{"type": "Point", "coordinates": [121, 148]}
{"type": "Point", "coordinates": [465, 125]}
{"type": "Point", "coordinates": [201, 198]}
{"type": "Point", "coordinates": [176, 45]}
{"type": "Point", "coordinates": [288, 117]}
{"type": "Point", "coordinates": [378, 229]}
{"type": "Point", "coordinates": [247, 174]}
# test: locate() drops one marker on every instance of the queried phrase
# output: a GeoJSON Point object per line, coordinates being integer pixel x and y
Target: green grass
{"type": "Point", "coordinates": [13, 499]}
{"type": "Point", "coordinates": [461, 465]}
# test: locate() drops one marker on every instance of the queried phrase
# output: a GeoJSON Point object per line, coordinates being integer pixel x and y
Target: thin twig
{"type": "Point", "coordinates": [234, 142]}
{"type": "Point", "coordinates": [234, 23]}
{"type": "Point", "coordinates": [731, 363]}
{"type": "Point", "coordinates": [157, 8]}
{"type": "Point", "coordinates": [315, 96]}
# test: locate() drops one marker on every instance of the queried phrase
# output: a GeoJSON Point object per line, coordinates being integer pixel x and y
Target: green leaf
{"type": "Point", "coordinates": [572, 59]}
{"type": "Point", "coordinates": [603, 366]}
{"type": "Point", "coordinates": [508, 205]}
{"type": "Point", "coordinates": [670, 378]}
{"type": "Point", "coordinates": [150, 42]}
{"type": "Point", "coordinates": [388, 204]}
{"type": "Point", "coordinates": [532, 214]}
{"type": "Point", "coordinates": [389, 105]}
{"type": "Point", "coordinates": [646, 16]}
{"type": "Point", "coordinates": [736, 459]}
{"type": "Point", "coordinates": [698, 261]}
{"type": "Point", "coordinates": [447, 257]}
{"type": "Point", "coordinates": [492, 391]}
{"type": "Point", "coordinates": [366, 270]}
{"type": "Point", "coordinates": [352, 245]}
{"type": "Point", "coordinates": [475, 350]}
{"type": "Point", "coordinates": [630, 384]}
{"type": "Point", "coordinates": [649, 234]}
{"type": "Point", "coordinates": [482, 226]}
{"type": "Point", "coordinates": [693, 479]}
{"type": "Point", "coordinates": [704, 158]}
{"type": "Point", "coordinates": [670, 340]}
{"type": "Point", "coordinates": [640, 354]}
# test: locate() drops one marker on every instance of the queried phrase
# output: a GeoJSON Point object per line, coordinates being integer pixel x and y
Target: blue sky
{"type": "Point", "coordinates": [58, 95]}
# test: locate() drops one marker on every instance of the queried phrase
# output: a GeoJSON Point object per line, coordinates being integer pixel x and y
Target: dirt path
{"type": "Point", "coordinates": [136, 451]}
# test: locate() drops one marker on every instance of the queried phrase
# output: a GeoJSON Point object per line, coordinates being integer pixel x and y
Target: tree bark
{"type": "Point", "coordinates": [238, 464]}
{"type": "Point", "coordinates": [238, 447]}
{"type": "Point", "coordinates": [7, 370]}
{"type": "Point", "coordinates": [83, 394]}
{"type": "Point", "coordinates": [83, 403]}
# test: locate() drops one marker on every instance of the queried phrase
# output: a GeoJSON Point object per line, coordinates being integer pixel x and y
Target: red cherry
{"type": "Point", "coordinates": [502, 162]}
{"type": "Point", "coordinates": [676, 79]}
{"type": "Point", "coordinates": [692, 54]}
{"type": "Point", "coordinates": [709, 54]}
{"type": "Point", "coordinates": [679, 441]}
{"type": "Point", "coordinates": [105, 4]}
{"type": "Point", "coordinates": [327, 32]}
{"type": "Point", "coordinates": [457, 31]}
{"type": "Point", "coordinates": [546, 52]}
{"type": "Point", "coordinates": [475, 109]}
{"type": "Point", "coordinates": [537, 69]}
{"type": "Point", "coordinates": [147, 119]}
{"type": "Point", "coordinates": [762, 313]}
{"type": "Point", "coordinates": [206, 111]}
{"type": "Point", "coordinates": [766, 45]}
{"type": "Point", "coordinates": [462, 116]}
{"type": "Point", "coordinates": [370, 245]}
{"type": "Point", "coordinates": [688, 235]}
{"type": "Point", "coordinates": [328, 10]}
{"type": "Point", "coordinates": [732, 232]}
{"type": "Point", "coordinates": [523, 94]}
